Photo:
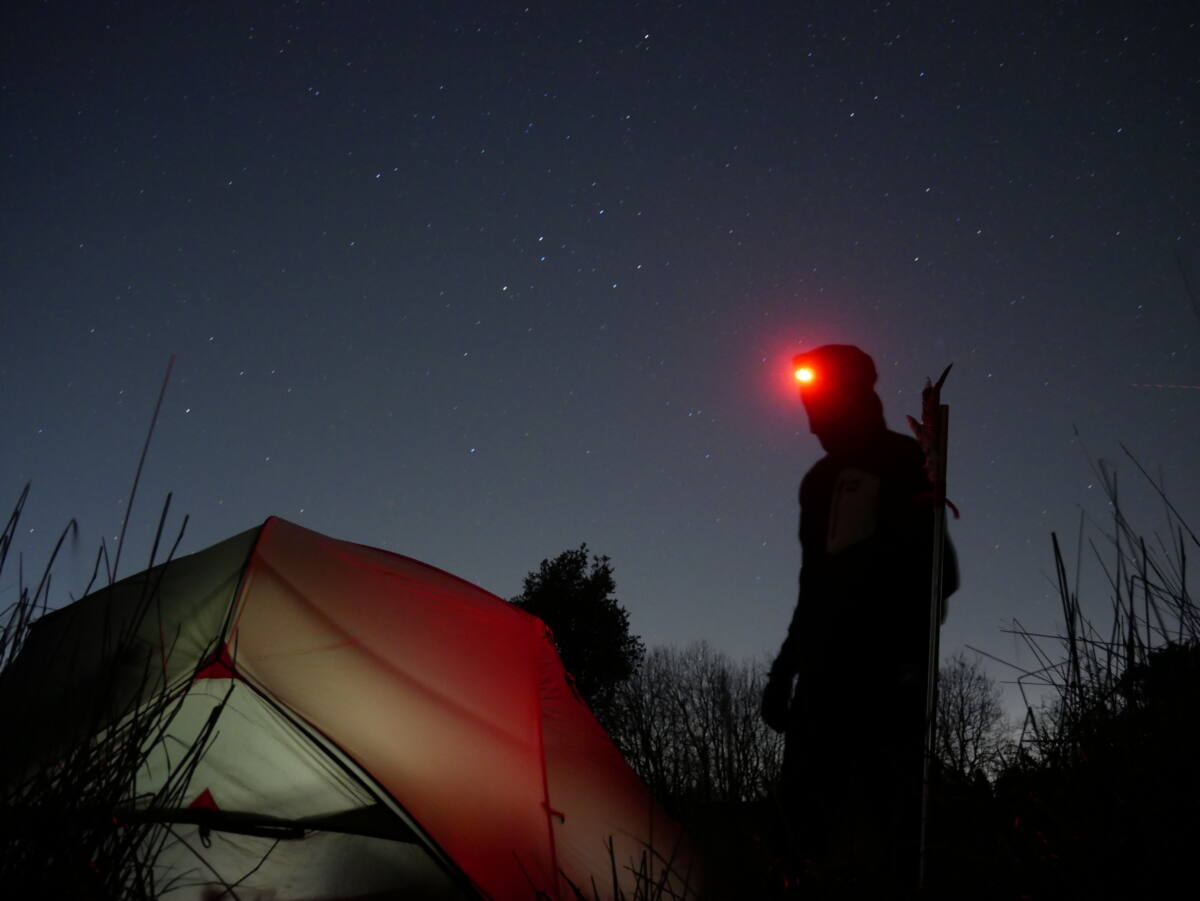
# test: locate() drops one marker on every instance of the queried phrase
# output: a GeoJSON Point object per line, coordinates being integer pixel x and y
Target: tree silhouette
{"type": "Point", "coordinates": [690, 725]}
{"type": "Point", "coordinates": [573, 595]}
{"type": "Point", "coordinates": [972, 733]}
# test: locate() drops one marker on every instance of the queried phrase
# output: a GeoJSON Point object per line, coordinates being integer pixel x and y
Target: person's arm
{"type": "Point", "coordinates": [781, 678]}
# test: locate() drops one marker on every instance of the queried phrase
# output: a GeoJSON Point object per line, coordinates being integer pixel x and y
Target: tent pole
{"type": "Point", "coordinates": [936, 602]}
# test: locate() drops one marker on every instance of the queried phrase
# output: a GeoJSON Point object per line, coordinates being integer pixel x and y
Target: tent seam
{"type": "Point", "coordinates": [348, 765]}
{"type": "Point", "coordinates": [547, 807]}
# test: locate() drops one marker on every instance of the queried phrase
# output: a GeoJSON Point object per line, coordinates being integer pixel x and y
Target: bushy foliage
{"type": "Point", "coordinates": [573, 594]}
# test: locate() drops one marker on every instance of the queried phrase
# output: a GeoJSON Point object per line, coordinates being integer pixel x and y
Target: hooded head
{"type": "Point", "coordinates": [837, 387]}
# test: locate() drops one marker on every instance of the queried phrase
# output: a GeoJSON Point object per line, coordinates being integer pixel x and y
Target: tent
{"type": "Point", "coordinates": [350, 723]}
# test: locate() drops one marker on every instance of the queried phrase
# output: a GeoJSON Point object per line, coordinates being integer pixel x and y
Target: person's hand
{"type": "Point", "coordinates": [777, 701]}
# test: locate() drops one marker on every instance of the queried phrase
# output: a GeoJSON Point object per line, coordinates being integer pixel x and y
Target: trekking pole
{"type": "Point", "coordinates": [932, 432]}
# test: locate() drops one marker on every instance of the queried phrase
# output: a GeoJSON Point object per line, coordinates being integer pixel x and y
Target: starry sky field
{"type": "Point", "coordinates": [477, 282]}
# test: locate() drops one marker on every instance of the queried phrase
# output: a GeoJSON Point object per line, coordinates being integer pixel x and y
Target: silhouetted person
{"type": "Point", "coordinates": [856, 649]}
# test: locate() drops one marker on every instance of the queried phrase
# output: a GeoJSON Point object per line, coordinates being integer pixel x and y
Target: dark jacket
{"type": "Point", "coordinates": [866, 531]}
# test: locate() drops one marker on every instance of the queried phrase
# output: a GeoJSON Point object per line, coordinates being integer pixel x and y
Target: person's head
{"type": "Point", "coordinates": [837, 387]}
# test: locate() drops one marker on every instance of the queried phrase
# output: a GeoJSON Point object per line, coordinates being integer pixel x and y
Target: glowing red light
{"type": "Point", "coordinates": [804, 375]}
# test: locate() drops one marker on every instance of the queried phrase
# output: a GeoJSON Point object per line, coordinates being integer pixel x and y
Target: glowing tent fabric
{"type": "Point", "coordinates": [382, 728]}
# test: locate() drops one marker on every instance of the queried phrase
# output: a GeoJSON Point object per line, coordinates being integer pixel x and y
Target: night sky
{"type": "Point", "coordinates": [477, 282]}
